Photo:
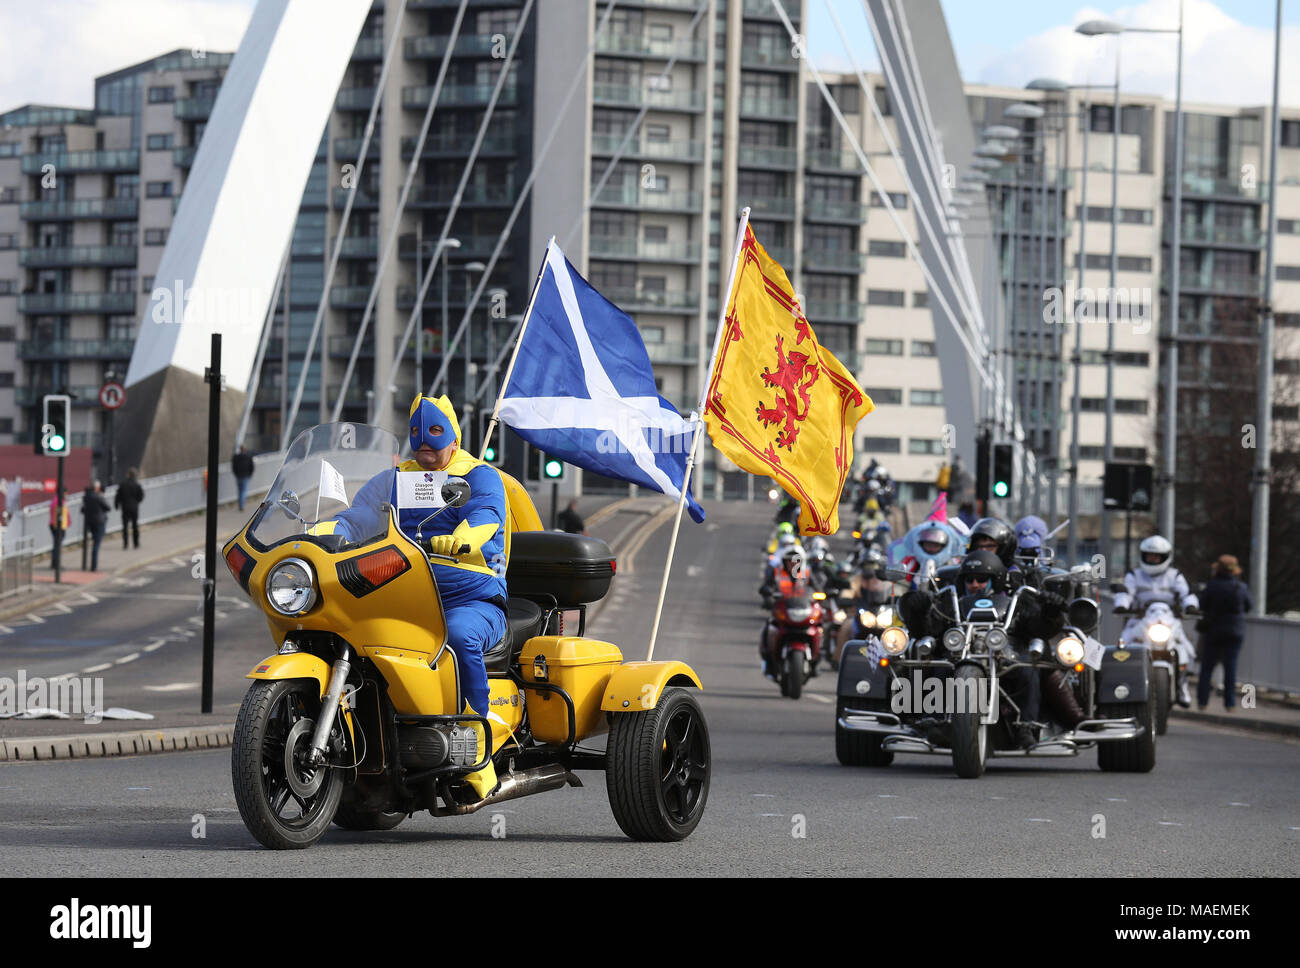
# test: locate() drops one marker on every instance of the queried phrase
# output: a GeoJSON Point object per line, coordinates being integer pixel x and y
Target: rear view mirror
{"type": "Point", "coordinates": [290, 504]}
{"type": "Point", "coordinates": [455, 492]}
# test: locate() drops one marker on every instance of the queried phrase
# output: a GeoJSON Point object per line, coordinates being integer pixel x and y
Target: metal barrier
{"type": "Point", "coordinates": [15, 565]}
{"type": "Point", "coordinates": [165, 497]}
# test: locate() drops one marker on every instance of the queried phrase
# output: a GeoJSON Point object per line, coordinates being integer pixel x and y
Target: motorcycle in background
{"type": "Point", "coordinates": [1161, 630]}
{"type": "Point", "coordinates": [792, 638]}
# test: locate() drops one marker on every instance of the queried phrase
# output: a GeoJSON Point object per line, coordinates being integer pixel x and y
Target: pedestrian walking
{"type": "Point", "coordinates": [96, 509]}
{"type": "Point", "coordinates": [1225, 600]}
{"type": "Point", "coordinates": [60, 522]}
{"type": "Point", "coordinates": [128, 498]}
{"type": "Point", "coordinates": [241, 465]}
{"type": "Point", "coordinates": [570, 521]}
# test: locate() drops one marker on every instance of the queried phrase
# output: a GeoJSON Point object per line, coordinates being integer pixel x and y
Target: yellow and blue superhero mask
{"type": "Point", "coordinates": [433, 422]}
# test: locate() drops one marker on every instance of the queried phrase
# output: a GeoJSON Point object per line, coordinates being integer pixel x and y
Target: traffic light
{"type": "Point", "coordinates": [52, 441]}
{"type": "Point", "coordinates": [552, 468]}
{"type": "Point", "coordinates": [1002, 476]}
{"type": "Point", "coordinates": [493, 453]}
{"type": "Point", "coordinates": [982, 467]}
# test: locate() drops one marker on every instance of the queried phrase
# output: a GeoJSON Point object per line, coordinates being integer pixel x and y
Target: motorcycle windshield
{"type": "Point", "coordinates": [336, 478]}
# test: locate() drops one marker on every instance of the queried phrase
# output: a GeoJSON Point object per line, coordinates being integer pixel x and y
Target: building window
{"type": "Point", "coordinates": [920, 300]}
{"type": "Point", "coordinates": [886, 297]}
{"type": "Point", "coordinates": [146, 284]}
{"type": "Point", "coordinates": [1286, 367]}
{"type": "Point", "coordinates": [8, 240]}
{"type": "Point", "coordinates": [891, 250]}
{"type": "Point", "coordinates": [8, 194]}
{"type": "Point", "coordinates": [658, 133]}
{"type": "Point", "coordinates": [884, 395]}
{"type": "Point", "coordinates": [1288, 273]}
{"type": "Point", "coordinates": [162, 95]}
{"type": "Point", "coordinates": [1124, 263]}
{"type": "Point", "coordinates": [10, 149]}
{"type": "Point", "coordinates": [1288, 226]}
{"type": "Point", "coordinates": [657, 183]}
{"type": "Point", "coordinates": [1288, 320]}
{"type": "Point", "coordinates": [652, 334]}
{"type": "Point", "coordinates": [158, 189]}
{"type": "Point", "coordinates": [1286, 413]}
{"type": "Point", "coordinates": [924, 445]}
{"type": "Point", "coordinates": [1129, 216]}
{"type": "Point", "coordinates": [881, 445]}
{"type": "Point", "coordinates": [884, 347]}
{"type": "Point", "coordinates": [155, 236]}
{"type": "Point", "coordinates": [6, 287]}
{"type": "Point", "coordinates": [158, 142]}
{"type": "Point", "coordinates": [126, 186]}
{"type": "Point", "coordinates": [123, 234]}
{"type": "Point", "coordinates": [1135, 454]}
{"type": "Point", "coordinates": [922, 347]}
{"type": "Point", "coordinates": [899, 200]}
{"type": "Point", "coordinates": [926, 398]}
{"type": "Point", "coordinates": [1291, 134]}
{"type": "Point", "coordinates": [1122, 358]}
{"type": "Point", "coordinates": [655, 233]}
{"type": "Point", "coordinates": [1122, 405]}
{"type": "Point", "coordinates": [121, 280]}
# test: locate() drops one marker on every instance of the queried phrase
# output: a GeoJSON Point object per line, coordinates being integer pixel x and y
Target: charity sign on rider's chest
{"type": "Point", "coordinates": [420, 489]}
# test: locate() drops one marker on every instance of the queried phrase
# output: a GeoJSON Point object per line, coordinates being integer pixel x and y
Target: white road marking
{"type": "Point", "coordinates": [173, 687]}
{"type": "Point", "coordinates": [1037, 820]}
{"type": "Point", "coordinates": [156, 644]}
{"type": "Point", "coordinates": [1117, 800]}
{"type": "Point", "coordinates": [905, 818]}
{"type": "Point", "coordinates": [1168, 823]}
{"type": "Point", "coordinates": [887, 796]}
{"type": "Point", "coordinates": [693, 571]}
{"type": "Point", "coordinates": [5, 630]}
{"type": "Point", "coordinates": [35, 619]}
{"type": "Point", "coordinates": [126, 658]}
{"type": "Point", "coordinates": [89, 599]}
{"type": "Point", "coordinates": [816, 697]}
{"type": "Point", "coordinates": [773, 795]}
{"type": "Point", "coordinates": [771, 815]}
{"type": "Point", "coordinates": [997, 798]}
{"type": "Point", "coordinates": [1235, 804]}
{"type": "Point", "coordinates": [98, 668]}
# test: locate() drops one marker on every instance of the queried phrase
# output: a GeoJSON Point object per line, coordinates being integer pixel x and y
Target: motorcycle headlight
{"type": "Point", "coordinates": [996, 640]}
{"type": "Point", "coordinates": [290, 587]}
{"type": "Point", "coordinates": [867, 618]}
{"type": "Point", "coordinates": [840, 615]}
{"type": "Point", "coordinates": [894, 639]}
{"type": "Point", "coordinates": [954, 640]}
{"type": "Point", "coordinates": [885, 616]}
{"type": "Point", "coordinates": [1159, 634]}
{"type": "Point", "coordinates": [800, 613]}
{"type": "Point", "coordinates": [1069, 651]}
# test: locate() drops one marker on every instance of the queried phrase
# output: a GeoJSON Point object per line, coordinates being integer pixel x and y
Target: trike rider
{"type": "Point", "coordinates": [468, 545]}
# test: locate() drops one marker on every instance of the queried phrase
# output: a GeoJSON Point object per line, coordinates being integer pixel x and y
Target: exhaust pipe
{"type": "Point", "coordinates": [522, 784]}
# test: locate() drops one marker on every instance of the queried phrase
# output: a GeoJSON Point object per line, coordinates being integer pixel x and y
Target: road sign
{"type": "Point", "coordinates": [112, 395]}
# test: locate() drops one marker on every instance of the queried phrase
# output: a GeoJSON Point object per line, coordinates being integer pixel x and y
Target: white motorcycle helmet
{"type": "Point", "coordinates": [1156, 554]}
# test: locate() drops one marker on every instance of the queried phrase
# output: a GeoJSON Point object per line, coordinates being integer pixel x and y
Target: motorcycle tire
{"type": "Point", "coordinates": [970, 737]}
{"type": "Point", "coordinates": [644, 751]}
{"type": "Point", "coordinates": [1164, 699]}
{"type": "Point", "coordinates": [859, 749]}
{"type": "Point", "coordinates": [794, 674]}
{"type": "Point", "coordinates": [270, 711]}
{"type": "Point", "coordinates": [1134, 755]}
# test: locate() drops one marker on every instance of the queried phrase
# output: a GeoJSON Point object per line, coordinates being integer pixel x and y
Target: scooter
{"type": "Point", "coordinates": [358, 717]}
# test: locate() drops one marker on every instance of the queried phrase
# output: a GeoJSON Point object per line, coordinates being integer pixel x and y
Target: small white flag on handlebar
{"type": "Point", "coordinates": [331, 483]}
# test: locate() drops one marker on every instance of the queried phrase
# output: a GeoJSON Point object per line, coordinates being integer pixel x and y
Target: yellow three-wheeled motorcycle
{"type": "Point", "coordinates": [358, 718]}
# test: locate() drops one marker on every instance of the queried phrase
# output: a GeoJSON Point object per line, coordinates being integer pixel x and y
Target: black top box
{"type": "Point", "coordinates": [572, 568]}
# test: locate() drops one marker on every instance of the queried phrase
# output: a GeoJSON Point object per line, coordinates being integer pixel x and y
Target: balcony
{"type": "Point", "coordinates": [767, 156]}
{"type": "Point", "coordinates": [772, 207]}
{"type": "Point", "coordinates": [195, 108]}
{"type": "Point", "coordinates": [57, 303]}
{"type": "Point", "coordinates": [834, 260]}
{"type": "Point", "coordinates": [55, 210]}
{"type": "Point", "coordinates": [662, 301]}
{"type": "Point", "coordinates": [616, 247]}
{"type": "Point", "coordinates": [74, 162]}
{"type": "Point", "coordinates": [626, 95]}
{"type": "Point", "coordinates": [689, 6]}
{"type": "Point", "coordinates": [340, 347]}
{"type": "Point", "coordinates": [655, 201]}
{"type": "Point", "coordinates": [766, 10]}
{"type": "Point", "coordinates": [783, 255]}
{"type": "Point", "coordinates": [833, 210]}
{"type": "Point", "coordinates": [369, 48]}
{"type": "Point", "coordinates": [349, 297]}
{"type": "Point", "coordinates": [1208, 282]}
{"type": "Point", "coordinates": [1197, 183]}
{"type": "Point", "coordinates": [674, 354]}
{"type": "Point", "coordinates": [607, 144]}
{"type": "Point", "coordinates": [355, 98]}
{"type": "Point", "coordinates": [769, 108]}
{"type": "Point", "coordinates": [1248, 236]}
{"type": "Point", "coordinates": [436, 196]}
{"type": "Point", "coordinates": [77, 255]}
{"type": "Point", "coordinates": [470, 245]}
{"type": "Point", "coordinates": [183, 157]}
{"type": "Point", "coordinates": [348, 149]}
{"type": "Point", "coordinates": [827, 159]}
{"type": "Point", "coordinates": [76, 349]}
{"type": "Point", "coordinates": [366, 198]}
{"type": "Point", "coordinates": [444, 145]}
{"type": "Point", "coordinates": [359, 247]}
{"type": "Point", "coordinates": [456, 95]}
{"type": "Point", "coordinates": [832, 311]}
{"type": "Point", "coordinates": [637, 45]}
{"type": "Point", "coordinates": [82, 396]}
{"type": "Point", "coordinates": [770, 58]}
{"type": "Point", "coordinates": [428, 46]}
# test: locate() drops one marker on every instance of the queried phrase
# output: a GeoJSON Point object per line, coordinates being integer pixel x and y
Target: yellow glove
{"type": "Point", "coordinates": [443, 544]}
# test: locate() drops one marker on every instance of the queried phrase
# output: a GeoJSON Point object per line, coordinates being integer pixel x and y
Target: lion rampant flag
{"type": "Point", "coordinates": [778, 404]}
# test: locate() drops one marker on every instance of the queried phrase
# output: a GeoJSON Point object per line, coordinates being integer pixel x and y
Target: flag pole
{"type": "Point", "coordinates": [510, 367]}
{"type": "Point", "coordinates": [699, 423]}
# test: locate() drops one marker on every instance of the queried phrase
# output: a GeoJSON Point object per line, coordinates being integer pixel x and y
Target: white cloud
{"type": "Point", "coordinates": [1224, 60]}
{"type": "Point", "coordinates": [54, 49]}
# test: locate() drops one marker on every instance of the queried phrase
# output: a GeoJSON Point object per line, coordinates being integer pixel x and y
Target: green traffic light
{"type": "Point", "coordinates": [56, 442]}
{"type": "Point", "coordinates": [490, 454]}
{"type": "Point", "coordinates": [554, 468]}
{"type": "Point", "coordinates": [1001, 489]}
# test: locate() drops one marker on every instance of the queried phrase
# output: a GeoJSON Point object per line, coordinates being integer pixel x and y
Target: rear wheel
{"type": "Point", "coordinates": [794, 674]}
{"type": "Point", "coordinates": [970, 737]}
{"type": "Point", "coordinates": [285, 804]}
{"type": "Point", "coordinates": [1164, 697]}
{"type": "Point", "coordinates": [1135, 755]}
{"type": "Point", "coordinates": [658, 765]}
{"type": "Point", "coordinates": [859, 749]}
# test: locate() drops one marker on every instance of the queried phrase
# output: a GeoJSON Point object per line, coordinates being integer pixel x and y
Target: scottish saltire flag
{"type": "Point", "coordinates": [583, 389]}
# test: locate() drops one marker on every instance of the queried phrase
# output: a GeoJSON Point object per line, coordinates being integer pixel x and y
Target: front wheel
{"type": "Point", "coordinates": [794, 674]}
{"type": "Point", "coordinates": [1164, 699]}
{"type": "Point", "coordinates": [970, 737]}
{"type": "Point", "coordinates": [285, 804]}
{"type": "Point", "coordinates": [658, 765]}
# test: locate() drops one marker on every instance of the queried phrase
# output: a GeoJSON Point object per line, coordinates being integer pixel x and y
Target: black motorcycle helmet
{"type": "Point", "coordinates": [985, 566]}
{"type": "Point", "coordinates": [1000, 533]}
